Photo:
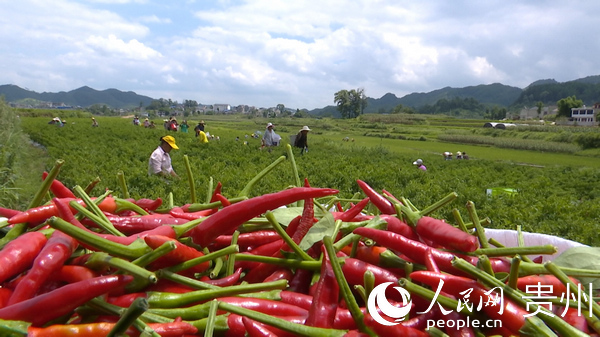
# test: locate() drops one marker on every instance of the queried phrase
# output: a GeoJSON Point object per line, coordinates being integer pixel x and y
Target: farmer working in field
{"type": "Point", "coordinates": [270, 138]}
{"type": "Point", "coordinates": [302, 139]}
{"type": "Point", "coordinates": [160, 160]}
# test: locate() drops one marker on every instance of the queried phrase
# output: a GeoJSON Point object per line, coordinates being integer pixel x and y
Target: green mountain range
{"type": "Point", "coordinates": [83, 97]}
{"type": "Point", "coordinates": [547, 91]}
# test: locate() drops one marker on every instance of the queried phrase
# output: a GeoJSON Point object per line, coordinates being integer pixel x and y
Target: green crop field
{"type": "Point", "coordinates": [558, 192]}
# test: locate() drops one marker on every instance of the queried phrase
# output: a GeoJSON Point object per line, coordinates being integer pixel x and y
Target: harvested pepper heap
{"type": "Point", "coordinates": [104, 266]}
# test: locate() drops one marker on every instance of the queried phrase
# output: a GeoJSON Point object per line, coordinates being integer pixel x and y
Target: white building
{"type": "Point", "coordinates": [585, 116]}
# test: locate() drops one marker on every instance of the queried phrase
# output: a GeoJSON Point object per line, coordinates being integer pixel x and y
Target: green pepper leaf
{"type": "Point", "coordinates": [324, 227]}
{"type": "Point", "coordinates": [285, 215]}
{"type": "Point", "coordinates": [13, 328]}
{"type": "Point", "coordinates": [582, 257]}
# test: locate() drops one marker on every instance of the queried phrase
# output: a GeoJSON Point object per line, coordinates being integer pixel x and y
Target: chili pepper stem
{"type": "Point", "coordinates": [290, 155]}
{"type": "Point", "coordinates": [513, 276]}
{"type": "Point", "coordinates": [288, 240]}
{"type": "Point", "coordinates": [297, 329]}
{"type": "Point", "coordinates": [290, 263]}
{"type": "Point", "coordinates": [212, 317]}
{"type": "Point", "coordinates": [533, 323]}
{"type": "Point", "coordinates": [201, 259]}
{"type": "Point", "coordinates": [170, 300]}
{"type": "Point", "coordinates": [553, 268]}
{"type": "Point", "coordinates": [438, 204]}
{"type": "Point", "coordinates": [19, 229]}
{"type": "Point", "coordinates": [479, 230]}
{"type": "Point", "coordinates": [345, 290]}
{"type": "Point", "coordinates": [155, 254]}
{"type": "Point", "coordinates": [134, 250]}
{"type": "Point", "coordinates": [138, 307]}
{"type": "Point", "coordinates": [124, 205]}
{"type": "Point", "coordinates": [245, 192]}
{"type": "Point", "coordinates": [123, 184]}
{"type": "Point", "coordinates": [103, 259]}
{"type": "Point", "coordinates": [511, 251]}
{"type": "Point", "coordinates": [190, 282]}
{"type": "Point", "coordinates": [229, 269]}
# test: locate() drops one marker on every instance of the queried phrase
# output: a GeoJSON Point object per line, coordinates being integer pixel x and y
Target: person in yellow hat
{"type": "Point", "coordinates": [160, 160]}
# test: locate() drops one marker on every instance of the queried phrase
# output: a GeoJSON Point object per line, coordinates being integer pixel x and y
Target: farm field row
{"type": "Point", "coordinates": [559, 198]}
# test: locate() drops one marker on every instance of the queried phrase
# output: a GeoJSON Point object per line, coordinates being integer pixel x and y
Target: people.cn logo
{"type": "Point", "coordinates": [378, 295]}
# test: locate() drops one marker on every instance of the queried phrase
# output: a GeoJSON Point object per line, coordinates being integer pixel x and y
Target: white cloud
{"type": "Point", "coordinates": [112, 46]}
{"type": "Point", "coordinates": [265, 52]}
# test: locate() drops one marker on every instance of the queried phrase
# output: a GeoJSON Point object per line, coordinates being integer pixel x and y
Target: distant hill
{"type": "Point", "coordinates": [490, 94]}
{"type": "Point", "coordinates": [84, 97]}
{"type": "Point", "coordinates": [548, 91]}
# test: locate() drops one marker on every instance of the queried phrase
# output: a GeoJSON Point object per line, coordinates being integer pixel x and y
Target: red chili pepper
{"type": "Point", "coordinates": [63, 300]}
{"type": "Point", "coordinates": [18, 254]}
{"type": "Point", "coordinates": [149, 205]}
{"type": "Point", "coordinates": [430, 262]}
{"type": "Point", "coordinates": [58, 188]}
{"type": "Point", "coordinates": [8, 213]}
{"type": "Point", "coordinates": [574, 318]}
{"type": "Point", "coordinates": [247, 240]}
{"type": "Point", "coordinates": [414, 250]}
{"type": "Point", "coordinates": [229, 218]}
{"type": "Point", "coordinates": [135, 224]}
{"type": "Point", "coordinates": [512, 315]}
{"type": "Point", "coordinates": [268, 249]}
{"type": "Point", "coordinates": [224, 281]}
{"type": "Point", "coordinates": [72, 274]}
{"type": "Point", "coordinates": [125, 300]}
{"type": "Point", "coordinates": [391, 196]}
{"type": "Point", "coordinates": [101, 329]}
{"type": "Point", "coordinates": [399, 227]}
{"type": "Point", "coordinates": [266, 306]}
{"type": "Point", "coordinates": [300, 283]}
{"type": "Point", "coordinates": [280, 274]}
{"type": "Point", "coordinates": [256, 330]}
{"type": "Point", "coordinates": [325, 299]}
{"type": "Point", "coordinates": [370, 254]}
{"type": "Point", "coordinates": [301, 300]}
{"type": "Point", "coordinates": [50, 259]}
{"type": "Point", "coordinates": [352, 212]}
{"type": "Point", "coordinates": [384, 205]}
{"type": "Point", "coordinates": [66, 214]}
{"type": "Point", "coordinates": [446, 235]}
{"type": "Point", "coordinates": [41, 213]}
{"type": "Point", "coordinates": [394, 330]}
{"type": "Point", "coordinates": [180, 254]}
{"type": "Point", "coordinates": [355, 269]}
{"type": "Point", "coordinates": [557, 288]}
{"type": "Point", "coordinates": [178, 212]}
{"type": "Point", "coordinates": [5, 294]}
{"type": "Point", "coordinates": [306, 221]}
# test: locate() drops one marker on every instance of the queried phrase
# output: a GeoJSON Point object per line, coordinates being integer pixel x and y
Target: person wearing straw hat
{"type": "Point", "coordinates": [160, 160]}
{"type": "Point", "coordinates": [270, 138]}
{"type": "Point", "coordinates": [94, 122]}
{"type": "Point", "coordinates": [302, 139]}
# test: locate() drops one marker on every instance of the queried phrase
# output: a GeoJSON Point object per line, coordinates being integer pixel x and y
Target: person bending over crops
{"type": "Point", "coordinates": [270, 138]}
{"type": "Point", "coordinates": [419, 164]}
{"type": "Point", "coordinates": [302, 139]}
{"type": "Point", "coordinates": [160, 160]}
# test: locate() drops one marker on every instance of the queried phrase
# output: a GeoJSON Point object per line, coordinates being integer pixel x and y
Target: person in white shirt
{"type": "Point", "coordinates": [270, 138]}
{"type": "Point", "coordinates": [160, 160]}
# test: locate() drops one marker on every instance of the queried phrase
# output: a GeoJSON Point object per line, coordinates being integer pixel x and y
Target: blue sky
{"type": "Point", "coordinates": [297, 53]}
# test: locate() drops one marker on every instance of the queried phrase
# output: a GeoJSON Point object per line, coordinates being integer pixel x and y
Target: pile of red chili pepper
{"type": "Point", "coordinates": [107, 266]}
